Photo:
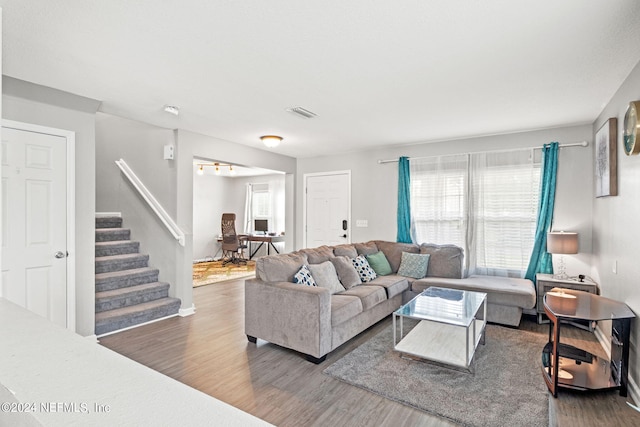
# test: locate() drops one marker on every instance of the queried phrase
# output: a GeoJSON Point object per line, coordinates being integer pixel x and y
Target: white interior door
{"type": "Point", "coordinates": [34, 228]}
{"type": "Point", "coordinates": [328, 217]}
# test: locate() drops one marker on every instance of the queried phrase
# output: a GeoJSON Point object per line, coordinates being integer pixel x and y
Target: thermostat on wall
{"type": "Point", "coordinates": [168, 152]}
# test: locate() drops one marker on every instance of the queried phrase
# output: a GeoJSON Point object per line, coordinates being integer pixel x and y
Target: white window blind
{"type": "Point", "coordinates": [439, 199]}
{"type": "Point", "coordinates": [261, 201]}
{"type": "Point", "coordinates": [484, 202]}
{"type": "Point", "coordinates": [504, 189]}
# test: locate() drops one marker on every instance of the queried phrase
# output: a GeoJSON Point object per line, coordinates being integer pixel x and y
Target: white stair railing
{"type": "Point", "coordinates": [153, 203]}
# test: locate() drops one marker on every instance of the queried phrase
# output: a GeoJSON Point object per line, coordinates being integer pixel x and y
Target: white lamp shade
{"type": "Point", "coordinates": [561, 242]}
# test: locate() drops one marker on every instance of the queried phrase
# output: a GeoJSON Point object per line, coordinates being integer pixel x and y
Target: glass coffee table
{"type": "Point", "coordinates": [451, 325]}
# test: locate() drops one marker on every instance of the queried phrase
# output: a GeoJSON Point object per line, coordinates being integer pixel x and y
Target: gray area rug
{"type": "Point", "coordinates": [507, 388]}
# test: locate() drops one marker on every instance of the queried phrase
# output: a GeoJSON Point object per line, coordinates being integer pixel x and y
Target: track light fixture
{"type": "Point", "coordinates": [217, 166]}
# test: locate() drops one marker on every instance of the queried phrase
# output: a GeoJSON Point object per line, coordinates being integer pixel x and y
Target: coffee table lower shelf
{"type": "Point", "coordinates": [442, 343]}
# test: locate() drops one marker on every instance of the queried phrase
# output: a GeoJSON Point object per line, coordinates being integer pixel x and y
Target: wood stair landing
{"type": "Point", "coordinates": [128, 292]}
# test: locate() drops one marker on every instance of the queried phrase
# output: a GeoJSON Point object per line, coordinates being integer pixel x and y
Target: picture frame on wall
{"type": "Point", "coordinates": [606, 159]}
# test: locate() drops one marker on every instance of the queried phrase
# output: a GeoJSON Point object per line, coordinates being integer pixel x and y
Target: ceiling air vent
{"type": "Point", "coordinates": [302, 112]}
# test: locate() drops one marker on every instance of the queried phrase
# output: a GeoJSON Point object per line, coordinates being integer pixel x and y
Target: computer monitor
{"type": "Point", "coordinates": [261, 226]}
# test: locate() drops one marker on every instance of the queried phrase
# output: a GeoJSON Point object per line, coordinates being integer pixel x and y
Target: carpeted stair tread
{"type": "Point", "coordinates": [106, 264]}
{"type": "Point", "coordinates": [125, 278]}
{"type": "Point", "coordinates": [112, 320]}
{"type": "Point", "coordinates": [117, 247]}
{"type": "Point", "coordinates": [110, 234]}
{"type": "Point", "coordinates": [109, 222]}
{"type": "Point", "coordinates": [137, 294]}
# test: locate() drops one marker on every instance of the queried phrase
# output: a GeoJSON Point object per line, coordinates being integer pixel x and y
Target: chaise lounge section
{"type": "Point", "coordinates": [315, 320]}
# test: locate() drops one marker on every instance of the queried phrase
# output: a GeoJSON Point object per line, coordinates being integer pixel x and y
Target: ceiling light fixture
{"type": "Point", "coordinates": [271, 141]}
{"type": "Point", "coordinates": [172, 109]}
{"type": "Point", "coordinates": [217, 166]}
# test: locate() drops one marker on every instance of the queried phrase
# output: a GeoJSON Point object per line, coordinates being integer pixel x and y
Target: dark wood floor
{"type": "Point", "coordinates": [209, 351]}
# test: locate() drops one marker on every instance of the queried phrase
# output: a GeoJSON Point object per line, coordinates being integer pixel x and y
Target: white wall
{"type": "Point", "coordinates": [212, 196]}
{"type": "Point", "coordinates": [374, 186]}
{"type": "Point", "coordinates": [616, 235]}
{"type": "Point", "coordinates": [30, 103]}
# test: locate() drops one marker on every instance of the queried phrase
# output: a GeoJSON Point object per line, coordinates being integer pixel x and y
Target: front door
{"type": "Point", "coordinates": [327, 218]}
{"type": "Point", "coordinates": [34, 232]}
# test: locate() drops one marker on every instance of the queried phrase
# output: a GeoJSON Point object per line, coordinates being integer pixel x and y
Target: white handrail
{"type": "Point", "coordinates": [153, 203]}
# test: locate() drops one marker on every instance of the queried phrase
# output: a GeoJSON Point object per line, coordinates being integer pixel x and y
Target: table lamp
{"type": "Point", "coordinates": [561, 243]}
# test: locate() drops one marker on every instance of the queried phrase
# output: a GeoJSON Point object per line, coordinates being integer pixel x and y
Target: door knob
{"type": "Point", "coordinates": [60, 254]}
{"type": "Point", "coordinates": [344, 235]}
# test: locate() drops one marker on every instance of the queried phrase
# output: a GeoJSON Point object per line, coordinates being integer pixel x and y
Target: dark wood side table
{"type": "Point", "coordinates": [546, 282]}
{"type": "Point", "coordinates": [577, 368]}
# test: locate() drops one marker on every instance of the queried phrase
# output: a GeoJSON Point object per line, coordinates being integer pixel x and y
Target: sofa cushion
{"type": "Point", "coordinates": [393, 251]}
{"type": "Point", "coordinates": [367, 248]}
{"type": "Point", "coordinates": [379, 263]}
{"type": "Point", "coordinates": [345, 250]}
{"type": "Point", "coordinates": [392, 283]}
{"type": "Point", "coordinates": [363, 268]}
{"type": "Point", "coordinates": [344, 307]}
{"type": "Point", "coordinates": [325, 276]}
{"type": "Point", "coordinates": [304, 277]}
{"type": "Point", "coordinates": [370, 295]}
{"type": "Point", "coordinates": [414, 265]}
{"type": "Point", "coordinates": [508, 291]}
{"type": "Point", "coordinates": [347, 273]}
{"type": "Point", "coordinates": [318, 255]}
{"type": "Point", "coordinates": [444, 261]}
{"type": "Point", "coordinates": [279, 268]}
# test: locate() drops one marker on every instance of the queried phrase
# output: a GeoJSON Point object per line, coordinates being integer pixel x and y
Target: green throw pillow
{"type": "Point", "coordinates": [379, 263]}
{"type": "Point", "coordinates": [414, 265]}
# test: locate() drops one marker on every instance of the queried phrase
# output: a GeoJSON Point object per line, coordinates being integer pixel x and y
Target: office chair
{"type": "Point", "coordinates": [233, 245]}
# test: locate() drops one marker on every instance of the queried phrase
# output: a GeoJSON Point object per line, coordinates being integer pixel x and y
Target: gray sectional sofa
{"type": "Point", "coordinates": [315, 320]}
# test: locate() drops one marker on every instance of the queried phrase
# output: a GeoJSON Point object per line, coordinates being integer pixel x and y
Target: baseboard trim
{"type": "Point", "coordinates": [135, 326]}
{"type": "Point", "coordinates": [184, 312]}
{"type": "Point", "coordinates": [93, 338]}
{"type": "Point", "coordinates": [108, 214]}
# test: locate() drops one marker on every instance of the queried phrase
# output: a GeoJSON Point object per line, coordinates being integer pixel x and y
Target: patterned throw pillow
{"type": "Point", "coordinates": [363, 268]}
{"type": "Point", "coordinates": [414, 265]}
{"type": "Point", "coordinates": [304, 277]}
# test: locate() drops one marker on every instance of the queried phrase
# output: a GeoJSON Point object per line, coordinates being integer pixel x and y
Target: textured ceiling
{"type": "Point", "coordinates": [376, 72]}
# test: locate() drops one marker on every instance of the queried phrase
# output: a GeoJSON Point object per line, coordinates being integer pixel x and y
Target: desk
{"type": "Point", "coordinates": [269, 240]}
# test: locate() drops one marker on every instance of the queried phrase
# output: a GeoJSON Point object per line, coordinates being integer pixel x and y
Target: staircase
{"type": "Point", "coordinates": [127, 289]}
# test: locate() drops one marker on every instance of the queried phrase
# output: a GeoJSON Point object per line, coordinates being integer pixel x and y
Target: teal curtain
{"type": "Point", "coordinates": [540, 261]}
{"type": "Point", "coordinates": [404, 201]}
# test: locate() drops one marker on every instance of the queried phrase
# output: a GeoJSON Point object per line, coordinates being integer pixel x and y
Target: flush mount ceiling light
{"type": "Point", "coordinates": [271, 140]}
{"type": "Point", "coordinates": [302, 112]}
{"type": "Point", "coordinates": [172, 109]}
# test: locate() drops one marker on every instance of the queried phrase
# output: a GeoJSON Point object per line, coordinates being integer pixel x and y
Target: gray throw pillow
{"type": "Point", "coordinates": [325, 276]}
{"type": "Point", "coordinates": [347, 273]}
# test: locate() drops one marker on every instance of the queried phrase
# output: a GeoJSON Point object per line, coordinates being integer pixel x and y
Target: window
{"type": "Point", "coordinates": [261, 201]}
{"type": "Point", "coordinates": [484, 202]}
{"type": "Point", "coordinates": [439, 199]}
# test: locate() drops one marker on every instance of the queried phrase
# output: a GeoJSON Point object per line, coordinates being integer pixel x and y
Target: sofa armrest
{"type": "Point", "coordinates": [288, 314]}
